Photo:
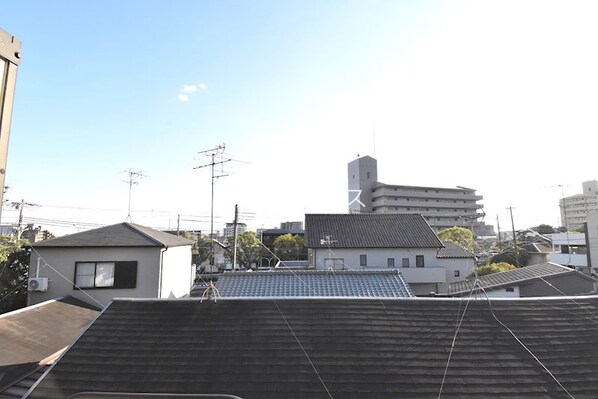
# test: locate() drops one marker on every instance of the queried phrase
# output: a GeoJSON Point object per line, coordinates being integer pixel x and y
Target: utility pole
{"type": "Point", "coordinates": [20, 206]}
{"type": "Point", "coordinates": [514, 238]}
{"type": "Point", "coordinates": [498, 226]}
{"type": "Point", "coordinates": [235, 221]}
{"type": "Point", "coordinates": [212, 152]}
{"type": "Point", "coordinates": [134, 177]}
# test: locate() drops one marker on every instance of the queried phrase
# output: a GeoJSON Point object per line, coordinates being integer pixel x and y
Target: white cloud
{"type": "Point", "coordinates": [190, 89]}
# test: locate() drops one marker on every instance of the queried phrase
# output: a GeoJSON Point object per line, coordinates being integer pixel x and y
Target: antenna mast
{"type": "Point", "coordinates": [212, 152]}
{"type": "Point", "coordinates": [134, 177]}
{"type": "Point", "coordinates": [328, 241]}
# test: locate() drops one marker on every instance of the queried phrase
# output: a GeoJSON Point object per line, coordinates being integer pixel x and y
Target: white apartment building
{"type": "Point", "coordinates": [575, 208]}
{"type": "Point", "coordinates": [441, 207]}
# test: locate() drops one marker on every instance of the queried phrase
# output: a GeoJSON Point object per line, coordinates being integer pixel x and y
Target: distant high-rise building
{"type": "Point", "coordinates": [576, 208]}
{"type": "Point", "coordinates": [229, 229]}
{"type": "Point", "coordinates": [441, 207]}
{"type": "Point", "coordinates": [291, 226]}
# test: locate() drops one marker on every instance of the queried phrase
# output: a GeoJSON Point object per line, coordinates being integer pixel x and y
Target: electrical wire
{"type": "Point", "coordinates": [457, 328]}
{"type": "Point", "coordinates": [304, 351]}
{"type": "Point", "coordinates": [524, 346]}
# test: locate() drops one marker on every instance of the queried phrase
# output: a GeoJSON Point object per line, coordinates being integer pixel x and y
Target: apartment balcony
{"type": "Point", "coordinates": [431, 193]}
{"type": "Point", "coordinates": [569, 259]}
{"type": "Point", "coordinates": [422, 203]}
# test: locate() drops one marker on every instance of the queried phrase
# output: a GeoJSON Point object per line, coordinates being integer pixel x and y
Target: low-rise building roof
{"type": "Point", "coordinates": [369, 230]}
{"type": "Point", "coordinates": [32, 334]}
{"type": "Point", "coordinates": [311, 283]}
{"type": "Point", "coordinates": [515, 277]}
{"type": "Point", "coordinates": [336, 347]}
{"type": "Point", "coordinates": [117, 235]}
{"type": "Point", "coordinates": [452, 250]}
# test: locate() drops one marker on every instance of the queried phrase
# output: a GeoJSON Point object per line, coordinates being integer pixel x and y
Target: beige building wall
{"type": "Point", "coordinates": [58, 265]}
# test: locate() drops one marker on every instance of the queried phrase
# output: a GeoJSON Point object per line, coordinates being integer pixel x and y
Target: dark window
{"type": "Point", "coordinates": [363, 260]}
{"type": "Point", "coordinates": [368, 174]}
{"type": "Point", "coordinates": [419, 261]}
{"type": "Point", "coordinates": [405, 262]}
{"type": "Point", "coordinates": [105, 274]}
{"type": "Point", "coordinates": [390, 262]}
{"type": "Point", "coordinates": [457, 273]}
{"type": "Point", "coordinates": [510, 289]}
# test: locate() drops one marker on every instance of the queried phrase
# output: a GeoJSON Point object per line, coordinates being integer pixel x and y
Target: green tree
{"type": "Point", "coordinates": [204, 246]}
{"type": "Point", "coordinates": [458, 235]}
{"type": "Point", "coordinates": [508, 256]}
{"type": "Point", "coordinates": [248, 250]}
{"type": "Point", "coordinates": [288, 246]}
{"type": "Point", "coordinates": [544, 229]}
{"type": "Point", "coordinates": [492, 268]}
{"type": "Point", "coordinates": [14, 270]}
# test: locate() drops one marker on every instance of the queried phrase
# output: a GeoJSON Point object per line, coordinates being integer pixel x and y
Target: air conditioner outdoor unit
{"type": "Point", "coordinates": [38, 284]}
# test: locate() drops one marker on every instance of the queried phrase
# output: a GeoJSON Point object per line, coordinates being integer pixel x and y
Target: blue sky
{"type": "Point", "coordinates": [499, 96]}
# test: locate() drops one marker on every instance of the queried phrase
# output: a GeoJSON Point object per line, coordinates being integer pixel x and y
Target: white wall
{"type": "Point", "coordinates": [177, 272]}
{"type": "Point", "coordinates": [502, 293]}
{"type": "Point", "coordinates": [463, 265]}
{"type": "Point", "coordinates": [376, 257]}
{"type": "Point", "coordinates": [63, 260]}
{"type": "Point", "coordinates": [568, 259]}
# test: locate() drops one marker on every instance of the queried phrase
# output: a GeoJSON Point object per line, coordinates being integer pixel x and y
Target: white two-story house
{"type": "Point", "coordinates": [382, 241]}
{"type": "Point", "coordinates": [122, 260]}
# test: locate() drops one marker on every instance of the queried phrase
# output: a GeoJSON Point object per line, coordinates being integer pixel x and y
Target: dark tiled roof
{"type": "Point", "coordinates": [21, 386]}
{"type": "Point", "coordinates": [313, 283]}
{"type": "Point", "coordinates": [34, 333]}
{"type": "Point", "coordinates": [352, 348]}
{"type": "Point", "coordinates": [370, 230]}
{"type": "Point", "coordinates": [117, 235]}
{"type": "Point", "coordinates": [512, 277]}
{"type": "Point", "coordinates": [452, 250]}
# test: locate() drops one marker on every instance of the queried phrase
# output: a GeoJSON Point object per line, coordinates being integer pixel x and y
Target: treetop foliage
{"type": "Point", "coordinates": [492, 268]}
{"type": "Point", "coordinates": [459, 236]}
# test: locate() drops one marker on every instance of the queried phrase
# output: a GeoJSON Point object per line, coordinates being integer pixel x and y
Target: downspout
{"type": "Point", "coordinates": [162, 250]}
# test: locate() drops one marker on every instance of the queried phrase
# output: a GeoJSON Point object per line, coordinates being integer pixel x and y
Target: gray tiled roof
{"type": "Point", "coordinates": [313, 283]}
{"type": "Point", "coordinates": [452, 250]}
{"type": "Point", "coordinates": [370, 230]}
{"type": "Point", "coordinates": [117, 235]}
{"type": "Point", "coordinates": [339, 348]}
{"type": "Point", "coordinates": [512, 277]}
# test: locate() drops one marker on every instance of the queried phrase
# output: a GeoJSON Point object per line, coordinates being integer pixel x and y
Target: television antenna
{"type": "Point", "coordinates": [212, 153]}
{"type": "Point", "coordinates": [134, 177]}
{"type": "Point", "coordinates": [328, 240]}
